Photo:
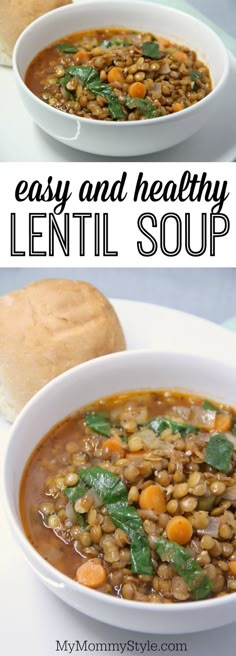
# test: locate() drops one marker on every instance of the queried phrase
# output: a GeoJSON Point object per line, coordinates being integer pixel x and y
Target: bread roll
{"type": "Point", "coordinates": [15, 15]}
{"type": "Point", "coordinates": [47, 328]}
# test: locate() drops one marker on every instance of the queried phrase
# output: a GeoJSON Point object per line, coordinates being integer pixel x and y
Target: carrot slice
{"type": "Point", "coordinates": [232, 567]}
{"type": "Point", "coordinates": [114, 444]}
{"type": "Point", "coordinates": [179, 529]}
{"type": "Point", "coordinates": [163, 42]}
{"type": "Point", "coordinates": [152, 498]}
{"type": "Point", "coordinates": [80, 55]}
{"type": "Point", "coordinates": [223, 423]}
{"type": "Point", "coordinates": [92, 574]}
{"type": "Point", "coordinates": [115, 74]}
{"type": "Point", "coordinates": [137, 90]}
{"type": "Point", "coordinates": [180, 56]}
{"type": "Point", "coordinates": [177, 106]}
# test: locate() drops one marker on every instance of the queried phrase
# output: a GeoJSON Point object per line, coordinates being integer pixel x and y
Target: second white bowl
{"type": "Point", "coordinates": [82, 385]}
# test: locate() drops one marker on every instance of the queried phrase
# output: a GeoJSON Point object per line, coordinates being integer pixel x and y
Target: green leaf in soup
{"type": "Point", "coordinates": [114, 495]}
{"type": "Point", "coordinates": [159, 424]}
{"type": "Point", "coordinates": [115, 108]}
{"type": "Point", "coordinates": [127, 518]}
{"type": "Point", "coordinates": [207, 405]}
{"type": "Point", "coordinates": [86, 74]}
{"type": "Point", "coordinates": [194, 76]}
{"type": "Point", "coordinates": [63, 81]}
{"type": "Point", "coordinates": [145, 106]}
{"type": "Point", "coordinates": [75, 492]}
{"type": "Point", "coordinates": [109, 487]}
{"type": "Point", "coordinates": [109, 44]}
{"type": "Point", "coordinates": [98, 421]}
{"type": "Point", "coordinates": [233, 431]}
{"type": "Point", "coordinates": [90, 78]}
{"type": "Point", "coordinates": [218, 452]}
{"type": "Point", "coordinates": [151, 49]}
{"type": "Point", "coordinates": [67, 48]}
{"type": "Point", "coordinates": [186, 567]}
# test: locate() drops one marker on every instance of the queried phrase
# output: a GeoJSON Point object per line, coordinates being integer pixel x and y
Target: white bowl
{"type": "Point", "coordinates": [83, 384]}
{"type": "Point", "coordinates": [131, 137]}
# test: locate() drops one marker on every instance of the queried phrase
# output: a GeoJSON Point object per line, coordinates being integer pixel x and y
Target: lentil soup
{"type": "Point", "coordinates": [135, 495]}
{"type": "Point", "coordinates": [117, 74]}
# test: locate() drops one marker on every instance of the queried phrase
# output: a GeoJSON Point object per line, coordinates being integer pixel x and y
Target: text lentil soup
{"type": "Point", "coordinates": [135, 495]}
{"type": "Point", "coordinates": [117, 74]}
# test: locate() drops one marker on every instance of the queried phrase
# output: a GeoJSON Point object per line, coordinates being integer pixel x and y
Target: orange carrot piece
{"type": "Point", "coordinates": [223, 423]}
{"type": "Point", "coordinates": [163, 42]}
{"type": "Point", "coordinates": [152, 498]}
{"type": "Point", "coordinates": [137, 90]}
{"type": "Point", "coordinates": [179, 529]}
{"type": "Point", "coordinates": [80, 55]}
{"type": "Point", "coordinates": [115, 74]}
{"type": "Point", "coordinates": [180, 56]}
{"type": "Point", "coordinates": [232, 567]}
{"type": "Point", "coordinates": [92, 574]}
{"type": "Point", "coordinates": [114, 444]}
{"type": "Point", "coordinates": [177, 106]}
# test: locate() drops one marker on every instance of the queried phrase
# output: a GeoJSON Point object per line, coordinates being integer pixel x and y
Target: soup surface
{"type": "Point", "coordinates": [115, 74]}
{"type": "Point", "coordinates": [135, 495]}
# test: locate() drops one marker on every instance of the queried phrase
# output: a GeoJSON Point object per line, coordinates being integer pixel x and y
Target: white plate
{"type": "Point", "coordinates": [32, 619]}
{"type": "Point", "coordinates": [22, 140]}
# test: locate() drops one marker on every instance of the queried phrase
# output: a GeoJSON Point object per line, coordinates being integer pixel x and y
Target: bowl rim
{"type": "Point", "coordinates": [53, 575]}
{"type": "Point", "coordinates": [126, 124]}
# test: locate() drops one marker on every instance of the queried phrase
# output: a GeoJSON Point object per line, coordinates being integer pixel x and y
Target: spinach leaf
{"type": "Point", "coordinates": [127, 518]}
{"type": "Point", "coordinates": [90, 78]}
{"type": "Point", "coordinates": [86, 74]}
{"type": "Point", "coordinates": [109, 487]}
{"type": "Point", "coordinates": [114, 495]}
{"type": "Point", "coordinates": [75, 492]}
{"type": "Point", "coordinates": [218, 452]}
{"type": "Point", "coordinates": [151, 49]}
{"type": "Point", "coordinates": [159, 424]}
{"type": "Point", "coordinates": [64, 80]}
{"type": "Point", "coordinates": [145, 105]}
{"type": "Point", "coordinates": [186, 567]}
{"type": "Point", "coordinates": [98, 421]}
{"type": "Point", "coordinates": [233, 431]}
{"type": "Point", "coordinates": [207, 405]}
{"type": "Point", "coordinates": [67, 48]}
{"type": "Point", "coordinates": [114, 105]}
{"type": "Point", "coordinates": [109, 44]}
{"type": "Point", "coordinates": [193, 77]}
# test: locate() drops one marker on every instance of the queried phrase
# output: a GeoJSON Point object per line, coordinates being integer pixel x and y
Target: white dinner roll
{"type": "Point", "coordinates": [15, 15]}
{"type": "Point", "coordinates": [47, 328]}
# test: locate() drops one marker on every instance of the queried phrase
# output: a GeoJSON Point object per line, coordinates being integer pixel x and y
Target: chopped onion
{"type": "Point", "coordinates": [230, 493]}
{"type": "Point", "coordinates": [203, 418]}
{"type": "Point", "coordinates": [165, 68]}
{"type": "Point", "coordinates": [231, 438]}
{"type": "Point", "coordinates": [212, 528]}
{"type": "Point", "coordinates": [148, 438]}
{"type": "Point", "coordinates": [157, 89]}
{"type": "Point", "coordinates": [97, 501]}
{"type": "Point", "coordinates": [70, 512]}
{"type": "Point", "coordinates": [148, 514]}
{"type": "Point", "coordinates": [182, 411]}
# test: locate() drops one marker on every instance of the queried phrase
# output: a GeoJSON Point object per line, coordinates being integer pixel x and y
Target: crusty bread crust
{"type": "Point", "coordinates": [15, 15]}
{"type": "Point", "coordinates": [47, 328]}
